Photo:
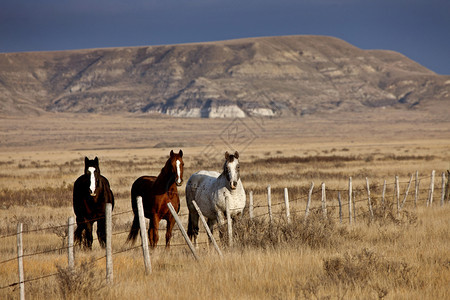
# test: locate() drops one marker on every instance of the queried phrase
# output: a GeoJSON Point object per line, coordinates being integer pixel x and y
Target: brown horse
{"type": "Point", "coordinates": [91, 192]}
{"type": "Point", "coordinates": [156, 192]}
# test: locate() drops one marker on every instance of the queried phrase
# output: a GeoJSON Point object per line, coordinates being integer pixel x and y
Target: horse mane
{"type": "Point", "coordinates": [166, 171]}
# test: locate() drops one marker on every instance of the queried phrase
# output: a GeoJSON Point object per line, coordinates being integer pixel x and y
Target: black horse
{"type": "Point", "coordinates": [91, 192]}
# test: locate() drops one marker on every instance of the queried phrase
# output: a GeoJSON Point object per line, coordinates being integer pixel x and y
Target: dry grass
{"type": "Point", "coordinates": [397, 255]}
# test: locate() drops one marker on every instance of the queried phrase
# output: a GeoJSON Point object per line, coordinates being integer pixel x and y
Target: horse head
{"type": "Point", "coordinates": [231, 169]}
{"type": "Point", "coordinates": [92, 169]}
{"type": "Point", "coordinates": [176, 163]}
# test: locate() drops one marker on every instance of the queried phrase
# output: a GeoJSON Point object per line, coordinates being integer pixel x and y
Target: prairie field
{"type": "Point", "coordinates": [393, 253]}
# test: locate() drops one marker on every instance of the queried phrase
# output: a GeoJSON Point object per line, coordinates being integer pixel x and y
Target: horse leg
{"type": "Point", "coordinates": [170, 224]}
{"type": "Point", "coordinates": [78, 234]}
{"type": "Point", "coordinates": [221, 222]}
{"type": "Point", "coordinates": [153, 231]}
{"type": "Point", "coordinates": [220, 215]}
{"type": "Point", "coordinates": [193, 227]}
{"type": "Point", "coordinates": [211, 223]}
{"type": "Point", "coordinates": [101, 232]}
{"type": "Point", "coordinates": [88, 236]}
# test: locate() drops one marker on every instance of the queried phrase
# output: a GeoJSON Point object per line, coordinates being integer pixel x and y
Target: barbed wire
{"type": "Point", "coordinates": [312, 209]}
{"type": "Point", "coordinates": [256, 206]}
{"type": "Point", "coordinates": [377, 185]}
{"type": "Point", "coordinates": [436, 188]}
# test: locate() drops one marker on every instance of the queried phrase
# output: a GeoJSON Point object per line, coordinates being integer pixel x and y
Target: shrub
{"type": "Point", "coordinates": [83, 281]}
{"type": "Point", "coordinates": [386, 214]}
{"type": "Point", "coordinates": [315, 232]}
{"type": "Point", "coordinates": [367, 267]}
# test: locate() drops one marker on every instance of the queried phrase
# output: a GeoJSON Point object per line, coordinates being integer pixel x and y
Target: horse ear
{"type": "Point", "coordinates": [96, 160]}
{"type": "Point", "coordinates": [180, 153]}
{"type": "Point", "coordinates": [236, 154]}
{"type": "Point", "coordinates": [86, 160]}
{"type": "Point", "coordinates": [227, 155]}
{"type": "Point", "coordinates": [171, 153]}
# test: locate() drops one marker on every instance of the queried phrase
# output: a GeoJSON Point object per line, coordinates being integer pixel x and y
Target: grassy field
{"type": "Point", "coordinates": [399, 255]}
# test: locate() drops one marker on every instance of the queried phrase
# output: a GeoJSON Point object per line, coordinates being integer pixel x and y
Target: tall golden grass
{"type": "Point", "coordinates": [398, 255]}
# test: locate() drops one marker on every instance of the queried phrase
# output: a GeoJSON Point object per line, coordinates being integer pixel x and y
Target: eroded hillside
{"type": "Point", "coordinates": [293, 75]}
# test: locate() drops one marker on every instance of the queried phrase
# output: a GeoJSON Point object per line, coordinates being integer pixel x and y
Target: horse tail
{"type": "Point", "coordinates": [135, 227]}
{"type": "Point", "coordinates": [134, 231]}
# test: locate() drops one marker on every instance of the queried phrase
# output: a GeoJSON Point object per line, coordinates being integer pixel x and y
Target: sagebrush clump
{"type": "Point", "coordinates": [316, 231]}
{"type": "Point", "coordinates": [82, 281]}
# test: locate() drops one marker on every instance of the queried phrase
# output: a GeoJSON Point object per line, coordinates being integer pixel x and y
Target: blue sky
{"type": "Point", "coordinates": [419, 29]}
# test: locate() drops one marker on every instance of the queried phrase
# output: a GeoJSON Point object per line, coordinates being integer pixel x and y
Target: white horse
{"type": "Point", "coordinates": [209, 190]}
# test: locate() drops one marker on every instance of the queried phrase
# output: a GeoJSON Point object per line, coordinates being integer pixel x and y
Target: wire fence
{"type": "Point", "coordinates": [356, 199]}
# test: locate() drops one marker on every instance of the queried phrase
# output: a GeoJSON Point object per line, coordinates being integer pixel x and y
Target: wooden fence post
{"type": "Point", "coordinates": [324, 201]}
{"type": "Point", "coordinates": [20, 261]}
{"type": "Point", "coordinates": [340, 207]}
{"type": "Point", "coordinates": [416, 194]}
{"type": "Point", "coordinates": [70, 256]}
{"type": "Point", "coordinates": [406, 193]}
{"type": "Point", "coordinates": [286, 202]}
{"type": "Point", "coordinates": [354, 206]}
{"type": "Point", "coordinates": [397, 193]}
{"type": "Point", "coordinates": [250, 206]}
{"type": "Point", "coordinates": [447, 187]}
{"type": "Point", "coordinates": [109, 261]}
{"type": "Point", "coordinates": [183, 231]}
{"type": "Point", "coordinates": [308, 204]}
{"type": "Point", "coordinates": [383, 193]}
{"type": "Point", "coordinates": [229, 223]}
{"type": "Point", "coordinates": [369, 203]}
{"type": "Point", "coordinates": [269, 202]}
{"type": "Point", "coordinates": [350, 201]}
{"type": "Point", "coordinates": [144, 236]}
{"type": "Point", "coordinates": [443, 189]}
{"type": "Point", "coordinates": [430, 194]}
{"type": "Point", "coordinates": [208, 231]}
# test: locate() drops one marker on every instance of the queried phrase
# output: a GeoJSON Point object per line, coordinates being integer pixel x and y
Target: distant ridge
{"type": "Point", "coordinates": [272, 76]}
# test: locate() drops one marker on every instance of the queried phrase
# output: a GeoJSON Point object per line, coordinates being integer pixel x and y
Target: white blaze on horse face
{"type": "Point", "coordinates": [178, 172]}
{"type": "Point", "coordinates": [92, 186]}
{"type": "Point", "coordinates": [234, 175]}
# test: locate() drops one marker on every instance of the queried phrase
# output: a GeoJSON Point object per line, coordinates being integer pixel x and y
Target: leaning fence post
{"type": "Point", "coordinates": [208, 231]}
{"type": "Point", "coordinates": [369, 203]}
{"type": "Point", "coordinates": [324, 201]}
{"type": "Point", "coordinates": [443, 189]}
{"type": "Point", "coordinates": [383, 193]}
{"type": "Point", "coordinates": [354, 206]}
{"type": "Point", "coordinates": [144, 236]}
{"type": "Point", "coordinates": [309, 200]}
{"type": "Point", "coordinates": [350, 201]}
{"type": "Point", "coordinates": [286, 202]}
{"type": "Point", "coordinates": [250, 206]}
{"type": "Point", "coordinates": [183, 231]}
{"type": "Point", "coordinates": [229, 224]}
{"type": "Point", "coordinates": [20, 261]}
{"type": "Point", "coordinates": [416, 194]}
{"type": "Point", "coordinates": [430, 195]}
{"type": "Point", "coordinates": [269, 202]}
{"type": "Point", "coordinates": [340, 207]}
{"type": "Point", "coordinates": [406, 193]}
{"type": "Point", "coordinates": [70, 256]}
{"type": "Point", "coordinates": [109, 261]}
